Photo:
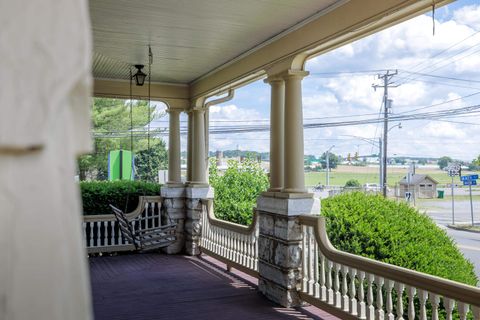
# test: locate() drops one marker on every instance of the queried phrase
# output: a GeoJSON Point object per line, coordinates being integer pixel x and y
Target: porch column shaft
{"type": "Point", "coordinates": [174, 175]}
{"type": "Point", "coordinates": [294, 151]}
{"type": "Point", "coordinates": [189, 145]}
{"type": "Point", "coordinates": [277, 123]}
{"type": "Point", "coordinates": [199, 166]}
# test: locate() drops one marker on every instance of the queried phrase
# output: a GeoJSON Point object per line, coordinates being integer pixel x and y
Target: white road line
{"type": "Point", "coordinates": [461, 246]}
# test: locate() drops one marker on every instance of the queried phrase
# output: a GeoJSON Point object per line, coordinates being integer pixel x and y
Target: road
{"type": "Point", "coordinates": [468, 242]}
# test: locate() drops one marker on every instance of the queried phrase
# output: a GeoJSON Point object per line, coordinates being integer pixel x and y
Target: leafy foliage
{"type": "Point", "coordinates": [111, 120]}
{"type": "Point", "coordinates": [149, 161]}
{"type": "Point", "coordinates": [395, 233]}
{"type": "Point", "coordinates": [353, 183]}
{"type": "Point", "coordinates": [97, 195]}
{"type": "Point", "coordinates": [237, 189]}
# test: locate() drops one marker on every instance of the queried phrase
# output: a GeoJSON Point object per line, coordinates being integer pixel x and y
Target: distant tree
{"type": "Point", "coordinates": [149, 161]}
{"type": "Point", "coordinates": [443, 162]}
{"type": "Point", "coordinates": [333, 160]}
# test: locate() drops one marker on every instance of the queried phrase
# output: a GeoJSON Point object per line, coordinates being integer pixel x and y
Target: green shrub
{"type": "Point", "coordinates": [395, 233]}
{"type": "Point", "coordinates": [237, 189]}
{"type": "Point", "coordinates": [97, 195]}
{"type": "Point", "coordinates": [353, 183]}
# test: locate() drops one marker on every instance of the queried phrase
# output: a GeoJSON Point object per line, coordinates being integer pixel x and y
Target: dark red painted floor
{"type": "Point", "coordinates": [158, 286]}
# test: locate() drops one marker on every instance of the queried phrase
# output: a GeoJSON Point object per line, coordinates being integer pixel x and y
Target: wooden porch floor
{"type": "Point", "coordinates": [158, 286]}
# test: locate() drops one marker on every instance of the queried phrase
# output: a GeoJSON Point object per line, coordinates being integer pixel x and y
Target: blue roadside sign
{"type": "Point", "coordinates": [471, 177]}
{"type": "Point", "coordinates": [470, 182]}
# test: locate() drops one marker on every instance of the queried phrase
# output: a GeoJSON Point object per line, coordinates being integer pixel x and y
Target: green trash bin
{"type": "Point", "coordinates": [441, 193]}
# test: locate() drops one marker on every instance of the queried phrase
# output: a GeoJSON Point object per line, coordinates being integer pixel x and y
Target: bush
{"type": "Point", "coordinates": [97, 195]}
{"type": "Point", "coordinates": [353, 183]}
{"type": "Point", "coordinates": [236, 191]}
{"type": "Point", "coordinates": [395, 233]}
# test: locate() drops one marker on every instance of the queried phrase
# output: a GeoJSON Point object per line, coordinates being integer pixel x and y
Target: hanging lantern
{"type": "Point", "coordinates": [139, 76]}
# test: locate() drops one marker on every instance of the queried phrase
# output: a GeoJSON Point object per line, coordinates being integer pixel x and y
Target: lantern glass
{"type": "Point", "coordinates": [139, 76]}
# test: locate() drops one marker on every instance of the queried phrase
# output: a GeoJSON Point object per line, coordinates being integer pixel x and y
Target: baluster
{"type": "Point", "coordinates": [112, 232]}
{"type": "Point", "coordinates": [304, 260]}
{"type": "Point", "coordinates": [84, 225]}
{"type": "Point", "coordinates": [449, 304]}
{"type": "Point", "coordinates": [434, 301]}
{"type": "Point", "coordinates": [353, 300]}
{"type": "Point", "coordinates": [345, 289]}
{"type": "Point", "coordinates": [311, 264]}
{"type": "Point", "coordinates": [389, 286]}
{"type": "Point", "coordinates": [411, 302]}
{"type": "Point", "coordinates": [237, 249]}
{"type": "Point", "coordinates": [462, 310]}
{"type": "Point", "coordinates": [422, 296]}
{"type": "Point", "coordinates": [380, 315]}
{"type": "Point", "coordinates": [362, 314]}
{"type": "Point", "coordinates": [399, 288]}
{"type": "Point", "coordinates": [329, 282]}
{"type": "Point", "coordinates": [244, 250]}
{"type": "Point", "coordinates": [323, 288]}
{"type": "Point", "coordinates": [371, 308]}
{"type": "Point", "coordinates": [476, 312]}
{"type": "Point", "coordinates": [255, 250]}
{"type": "Point", "coordinates": [315, 269]}
{"type": "Point", "coordinates": [97, 224]}
{"type": "Point", "coordinates": [338, 295]}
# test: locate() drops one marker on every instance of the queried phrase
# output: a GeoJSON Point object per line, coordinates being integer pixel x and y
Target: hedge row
{"type": "Point", "coordinates": [395, 233]}
{"type": "Point", "coordinates": [97, 195]}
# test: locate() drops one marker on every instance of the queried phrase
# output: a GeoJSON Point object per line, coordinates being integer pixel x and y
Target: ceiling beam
{"type": "Point", "coordinates": [174, 95]}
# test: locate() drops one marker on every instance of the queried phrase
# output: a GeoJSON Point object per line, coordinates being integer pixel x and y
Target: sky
{"type": "Point", "coordinates": [411, 48]}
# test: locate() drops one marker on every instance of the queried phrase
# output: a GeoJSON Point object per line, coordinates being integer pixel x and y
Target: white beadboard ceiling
{"type": "Point", "coordinates": [189, 38]}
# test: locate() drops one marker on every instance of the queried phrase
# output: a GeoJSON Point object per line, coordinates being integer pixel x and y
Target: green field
{"type": "Point", "coordinates": [342, 174]}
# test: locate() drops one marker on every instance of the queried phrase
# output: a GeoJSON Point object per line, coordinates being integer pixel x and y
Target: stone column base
{"type": "Point", "coordinates": [193, 223]}
{"type": "Point", "coordinates": [174, 206]}
{"type": "Point", "coordinates": [279, 245]}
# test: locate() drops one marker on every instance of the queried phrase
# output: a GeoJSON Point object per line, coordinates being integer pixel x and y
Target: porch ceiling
{"type": "Point", "coordinates": [188, 38]}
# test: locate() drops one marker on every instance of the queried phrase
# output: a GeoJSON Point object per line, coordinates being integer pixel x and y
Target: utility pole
{"type": "Point", "coordinates": [328, 164]}
{"type": "Point", "coordinates": [386, 108]}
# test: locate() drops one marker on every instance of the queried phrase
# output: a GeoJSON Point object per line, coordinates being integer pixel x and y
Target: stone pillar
{"type": "Point", "coordinates": [279, 246]}
{"type": "Point", "coordinates": [294, 173]}
{"type": "Point", "coordinates": [174, 207]}
{"type": "Point", "coordinates": [174, 167]}
{"type": "Point", "coordinates": [190, 146]}
{"type": "Point", "coordinates": [194, 211]}
{"type": "Point", "coordinates": [199, 174]}
{"type": "Point", "coordinates": [277, 123]}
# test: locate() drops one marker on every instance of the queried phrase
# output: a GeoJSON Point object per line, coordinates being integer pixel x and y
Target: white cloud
{"type": "Point", "coordinates": [468, 15]}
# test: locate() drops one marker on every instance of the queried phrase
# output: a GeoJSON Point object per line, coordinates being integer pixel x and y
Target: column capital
{"type": "Point", "coordinates": [293, 74]}
{"type": "Point", "coordinates": [174, 110]}
{"type": "Point", "coordinates": [273, 79]}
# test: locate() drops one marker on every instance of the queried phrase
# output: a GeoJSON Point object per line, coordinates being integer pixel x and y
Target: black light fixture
{"type": "Point", "coordinates": [139, 76]}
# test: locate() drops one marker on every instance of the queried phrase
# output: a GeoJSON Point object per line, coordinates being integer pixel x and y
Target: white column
{"type": "Point", "coordinates": [174, 174]}
{"type": "Point", "coordinates": [293, 153]}
{"type": "Point", "coordinates": [189, 146]}
{"type": "Point", "coordinates": [199, 174]}
{"type": "Point", "coordinates": [277, 123]}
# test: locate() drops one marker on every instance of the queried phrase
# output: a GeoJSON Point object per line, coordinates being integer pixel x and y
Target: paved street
{"type": "Point", "coordinates": [441, 212]}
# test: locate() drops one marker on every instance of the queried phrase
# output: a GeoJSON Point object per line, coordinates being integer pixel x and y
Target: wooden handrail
{"type": "Point", "coordinates": [446, 288]}
{"type": "Point", "coordinates": [130, 216]}
{"type": "Point", "coordinates": [226, 224]}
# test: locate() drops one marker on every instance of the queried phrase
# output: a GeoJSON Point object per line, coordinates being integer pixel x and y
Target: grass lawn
{"type": "Point", "coordinates": [342, 174]}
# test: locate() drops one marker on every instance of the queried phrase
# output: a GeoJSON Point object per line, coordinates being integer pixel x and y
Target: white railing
{"type": "Point", "coordinates": [102, 234]}
{"type": "Point", "coordinates": [234, 244]}
{"type": "Point", "coordinates": [354, 287]}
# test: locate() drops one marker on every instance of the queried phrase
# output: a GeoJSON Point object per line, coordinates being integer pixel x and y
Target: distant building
{"type": "Point", "coordinates": [422, 186]}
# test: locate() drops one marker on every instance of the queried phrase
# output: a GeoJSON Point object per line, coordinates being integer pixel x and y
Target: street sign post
{"type": "Point", "coordinates": [453, 169]}
{"type": "Point", "coordinates": [470, 180]}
